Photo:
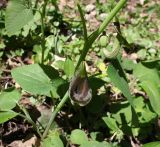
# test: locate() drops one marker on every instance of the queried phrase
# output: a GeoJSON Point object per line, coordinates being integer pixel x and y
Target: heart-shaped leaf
{"type": "Point", "coordinates": [8, 99]}
{"type": "Point", "coordinates": [78, 137]}
{"type": "Point", "coordinates": [18, 14]}
{"type": "Point", "coordinates": [7, 115]}
{"type": "Point", "coordinates": [35, 78]}
{"type": "Point", "coordinates": [149, 77]}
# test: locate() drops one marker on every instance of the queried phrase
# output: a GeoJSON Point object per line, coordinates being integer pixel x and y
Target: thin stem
{"type": "Point", "coordinates": [83, 22]}
{"type": "Point", "coordinates": [36, 4]}
{"type": "Point", "coordinates": [31, 122]}
{"type": "Point", "coordinates": [28, 118]}
{"type": "Point", "coordinates": [43, 14]}
{"type": "Point", "coordinates": [108, 19]}
{"type": "Point", "coordinates": [95, 34]}
{"type": "Point", "coordinates": [58, 108]}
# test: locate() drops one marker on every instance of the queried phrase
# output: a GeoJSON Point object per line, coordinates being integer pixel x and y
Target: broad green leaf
{"type": "Point", "coordinates": [139, 103]}
{"type": "Point", "coordinates": [128, 64]}
{"type": "Point", "coordinates": [78, 137]}
{"type": "Point", "coordinates": [119, 110]}
{"type": "Point", "coordinates": [60, 87]}
{"type": "Point", "coordinates": [95, 135]}
{"type": "Point", "coordinates": [149, 77]}
{"type": "Point", "coordinates": [96, 144]}
{"type": "Point", "coordinates": [9, 99]}
{"type": "Point", "coordinates": [153, 91]}
{"type": "Point", "coordinates": [111, 123]}
{"type": "Point", "coordinates": [148, 72]}
{"type": "Point", "coordinates": [152, 144]}
{"type": "Point", "coordinates": [53, 140]}
{"type": "Point", "coordinates": [69, 68]}
{"type": "Point", "coordinates": [35, 78]}
{"type": "Point", "coordinates": [6, 115]}
{"type": "Point", "coordinates": [145, 114]}
{"type": "Point", "coordinates": [117, 76]}
{"type": "Point", "coordinates": [18, 14]}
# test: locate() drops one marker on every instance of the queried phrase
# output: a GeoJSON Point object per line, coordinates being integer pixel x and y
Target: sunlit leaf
{"type": "Point", "coordinates": [53, 140]}
{"type": "Point", "coordinates": [35, 78]}
{"type": "Point", "coordinates": [78, 137]}
{"type": "Point", "coordinates": [8, 99]}
{"type": "Point", "coordinates": [152, 144]}
{"type": "Point", "coordinates": [69, 68]}
{"type": "Point", "coordinates": [118, 78]}
{"type": "Point", "coordinates": [6, 115]}
{"type": "Point", "coordinates": [18, 14]}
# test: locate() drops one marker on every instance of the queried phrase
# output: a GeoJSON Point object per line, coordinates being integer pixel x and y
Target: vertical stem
{"type": "Point", "coordinates": [33, 124]}
{"type": "Point", "coordinates": [36, 4]}
{"type": "Point", "coordinates": [58, 108]}
{"type": "Point", "coordinates": [43, 14]}
{"type": "Point", "coordinates": [83, 22]}
{"type": "Point", "coordinates": [95, 34]}
{"type": "Point", "coordinates": [108, 19]}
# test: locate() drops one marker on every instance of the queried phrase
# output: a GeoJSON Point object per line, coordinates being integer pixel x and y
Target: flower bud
{"type": "Point", "coordinates": [114, 52]}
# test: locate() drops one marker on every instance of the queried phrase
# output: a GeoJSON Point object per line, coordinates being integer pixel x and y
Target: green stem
{"type": "Point", "coordinates": [83, 22]}
{"type": "Point", "coordinates": [43, 14]}
{"type": "Point", "coordinates": [108, 19]}
{"type": "Point", "coordinates": [95, 34]}
{"type": "Point", "coordinates": [29, 119]}
{"type": "Point", "coordinates": [33, 124]}
{"type": "Point", "coordinates": [36, 4]}
{"type": "Point", "coordinates": [58, 108]}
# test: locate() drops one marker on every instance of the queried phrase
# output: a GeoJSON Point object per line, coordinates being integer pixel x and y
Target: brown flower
{"type": "Point", "coordinates": [79, 90]}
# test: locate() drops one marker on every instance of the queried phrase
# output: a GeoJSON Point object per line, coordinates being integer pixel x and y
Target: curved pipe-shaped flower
{"type": "Point", "coordinates": [79, 90]}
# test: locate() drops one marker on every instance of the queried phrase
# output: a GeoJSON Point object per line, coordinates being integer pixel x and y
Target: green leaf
{"type": "Point", "coordinates": [96, 144]}
{"type": "Point", "coordinates": [147, 71]}
{"type": "Point", "coordinates": [18, 14]}
{"type": "Point", "coordinates": [145, 114]}
{"type": "Point", "coordinates": [69, 68]}
{"type": "Point", "coordinates": [153, 91]}
{"type": "Point", "coordinates": [6, 115]}
{"type": "Point", "coordinates": [60, 87]}
{"type": "Point", "coordinates": [117, 76]}
{"type": "Point", "coordinates": [78, 137]}
{"type": "Point", "coordinates": [35, 78]}
{"type": "Point", "coordinates": [149, 77]}
{"type": "Point", "coordinates": [152, 144]}
{"type": "Point", "coordinates": [83, 22]}
{"type": "Point", "coordinates": [9, 99]}
{"type": "Point", "coordinates": [53, 140]}
{"type": "Point", "coordinates": [111, 123]}
{"type": "Point", "coordinates": [95, 135]}
{"type": "Point", "coordinates": [139, 103]}
{"type": "Point", "coordinates": [121, 109]}
{"type": "Point", "coordinates": [128, 64]}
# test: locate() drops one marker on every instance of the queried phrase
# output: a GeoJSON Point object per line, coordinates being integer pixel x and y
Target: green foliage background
{"type": "Point", "coordinates": [126, 92]}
